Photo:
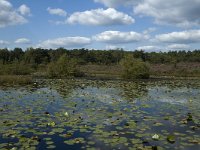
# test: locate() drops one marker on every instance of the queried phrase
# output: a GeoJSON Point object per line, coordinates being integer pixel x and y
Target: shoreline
{"type": "Point", "coordinates": [30, 79]}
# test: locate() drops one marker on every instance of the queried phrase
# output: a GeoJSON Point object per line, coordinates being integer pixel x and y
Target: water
{"type": "Point", "coordinates": [101, 115]}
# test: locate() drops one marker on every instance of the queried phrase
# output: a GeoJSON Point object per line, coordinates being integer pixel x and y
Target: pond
{"type": "Point", "coordinates": [101, 114]}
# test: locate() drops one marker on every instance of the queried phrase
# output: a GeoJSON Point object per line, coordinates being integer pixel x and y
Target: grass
{"type": "Point", "coordinates": [15, 79]}
{"type": "Point", "coordinates": [106, 72]}
{"type": "Point", "coordinates": [181, 70]}
{"type": "Point", "coordinates": [102, 71]}
{"type": "Point", "coordinates": [16, 69]}
{"type": "Point", "coordinates": [156, 70]}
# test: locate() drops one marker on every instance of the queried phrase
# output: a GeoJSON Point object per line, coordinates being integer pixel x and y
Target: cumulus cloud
{"type": "Point", "coordinates": [22, 41]}
{"type": "Point", "coordinates": [178, 46]}
{"type": "Point", "coordinates": [57, 11]}
{"type": "Point", "coordinates": [115, 3]}
{"type": "Point", "coordinates": [117, 37]}
{"type": "Point", "coordinates": [2, 42]}
{"type": "Point", "coordinates": [189, 36]}
{"type": "Point", "coordinates": [24, 10]}
{"type": "Point", "coordinates": [9, 16]}
{"type": "Point", "coordinates": [114, 47]}
{"type": "Point", "coordinates": [100, 16]}
{"type": "Point", "coordinates": [68, 42]}
{"type": "Point", "coordinates": [148, 48]}
{"type": "Point", "coordinates": [182, 13]}
{"type": "Point", "coordinates": [149, 30]}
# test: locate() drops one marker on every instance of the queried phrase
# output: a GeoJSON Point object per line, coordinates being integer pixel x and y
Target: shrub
{"type": "Point", "coordinates": [134, 68]}
{"type": "Point", "coordinates": [64, 67]}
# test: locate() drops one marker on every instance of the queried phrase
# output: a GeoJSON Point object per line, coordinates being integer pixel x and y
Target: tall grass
{"type": "Point", "coordinates": [15, 69]}
{"type": "Point", "coordinates": [15, 79]}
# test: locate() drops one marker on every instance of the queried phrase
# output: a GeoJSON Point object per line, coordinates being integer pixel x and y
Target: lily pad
{"type": "Point", "coordinates": [171, 139]}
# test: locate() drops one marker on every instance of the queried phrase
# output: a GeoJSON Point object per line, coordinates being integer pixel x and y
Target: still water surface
{"type": "Point", "coordinates": [92, 114]}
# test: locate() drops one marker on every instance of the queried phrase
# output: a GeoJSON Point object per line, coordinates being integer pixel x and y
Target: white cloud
{"type": "Point", "coordinates": [2, 42]}
{"type": "Point", "coordinates": [111, 47]}
{"type": "Point", "coordinates": [100, 16]}
{"type": "Point", "coordinates": [189, 36]}
{"type": "Point", "coordinates": [117, 37]}
{"type": "Point", "coordinates": [178, 46]}
{"type": "Point", "coordinates": [9, 16]}
{"type": "Point", "coordinates": [148, 48]}
{"type": "Point", "coordinates": [24, 10]}
{"type": "Point", "coordinates": [149, 30]}
{"type": "Point", "coordinates": [57, 11]}
{"type": "Point", "coordinates": [182, 13]}
{"type": "Point", "coordinates": [114, 47]}
{"type": "Point", "coordinates": [115, 3]}
{"type": "Point", "coordinates": [22, 41]}
{"type": "Point", "coordinates": [68, 42]}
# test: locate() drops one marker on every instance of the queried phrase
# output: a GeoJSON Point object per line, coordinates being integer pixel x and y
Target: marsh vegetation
{"type": "Point", "coordinates": [62, 63]}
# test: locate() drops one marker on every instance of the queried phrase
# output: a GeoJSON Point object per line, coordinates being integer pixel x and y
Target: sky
{"type": "Point", "coordinates": [150, 25]}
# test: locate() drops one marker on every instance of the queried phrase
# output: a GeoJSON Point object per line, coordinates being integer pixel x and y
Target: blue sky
{"type": "Point", "coordinates": [151, 25]}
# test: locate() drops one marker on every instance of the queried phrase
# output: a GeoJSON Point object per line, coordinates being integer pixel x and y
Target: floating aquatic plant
{"type": "Point", "coordinates": [100, 114]}
{"type": "Point", "coordinates": [155, 137]}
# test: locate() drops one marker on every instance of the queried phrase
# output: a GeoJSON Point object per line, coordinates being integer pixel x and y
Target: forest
{"type": "Point", "coordinates": [44, 56]}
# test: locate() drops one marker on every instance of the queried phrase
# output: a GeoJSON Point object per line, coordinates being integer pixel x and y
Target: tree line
{"type": "Point", "coordinates": [37, 56]}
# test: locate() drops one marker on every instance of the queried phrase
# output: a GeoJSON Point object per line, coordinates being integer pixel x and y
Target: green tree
{"type": "Point", "coordinates": [134, 68]}
{"type": "Point", "coordinates": [18, 54]}
{"type": "Point", "coordinates": [64, 67]}
{"type": "Point", "coordinates": [4, 55]}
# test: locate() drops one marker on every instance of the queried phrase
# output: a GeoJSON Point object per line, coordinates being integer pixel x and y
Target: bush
{"type": "Point", "coordinates": [64, 67]}
{"type": "Point", "coordinates": [134, 68]}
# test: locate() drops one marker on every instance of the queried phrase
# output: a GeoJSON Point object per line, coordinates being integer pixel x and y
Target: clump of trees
{"type": "Point", "coordinates": [134, 68]}
{"type": "Point", "coordinates": [63, 67]}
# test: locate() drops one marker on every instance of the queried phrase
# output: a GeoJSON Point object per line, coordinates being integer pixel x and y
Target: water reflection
{"type": "Point", "coordinates": [102, 114]}
{"type": "Point", "coordinates": [173, 95]}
